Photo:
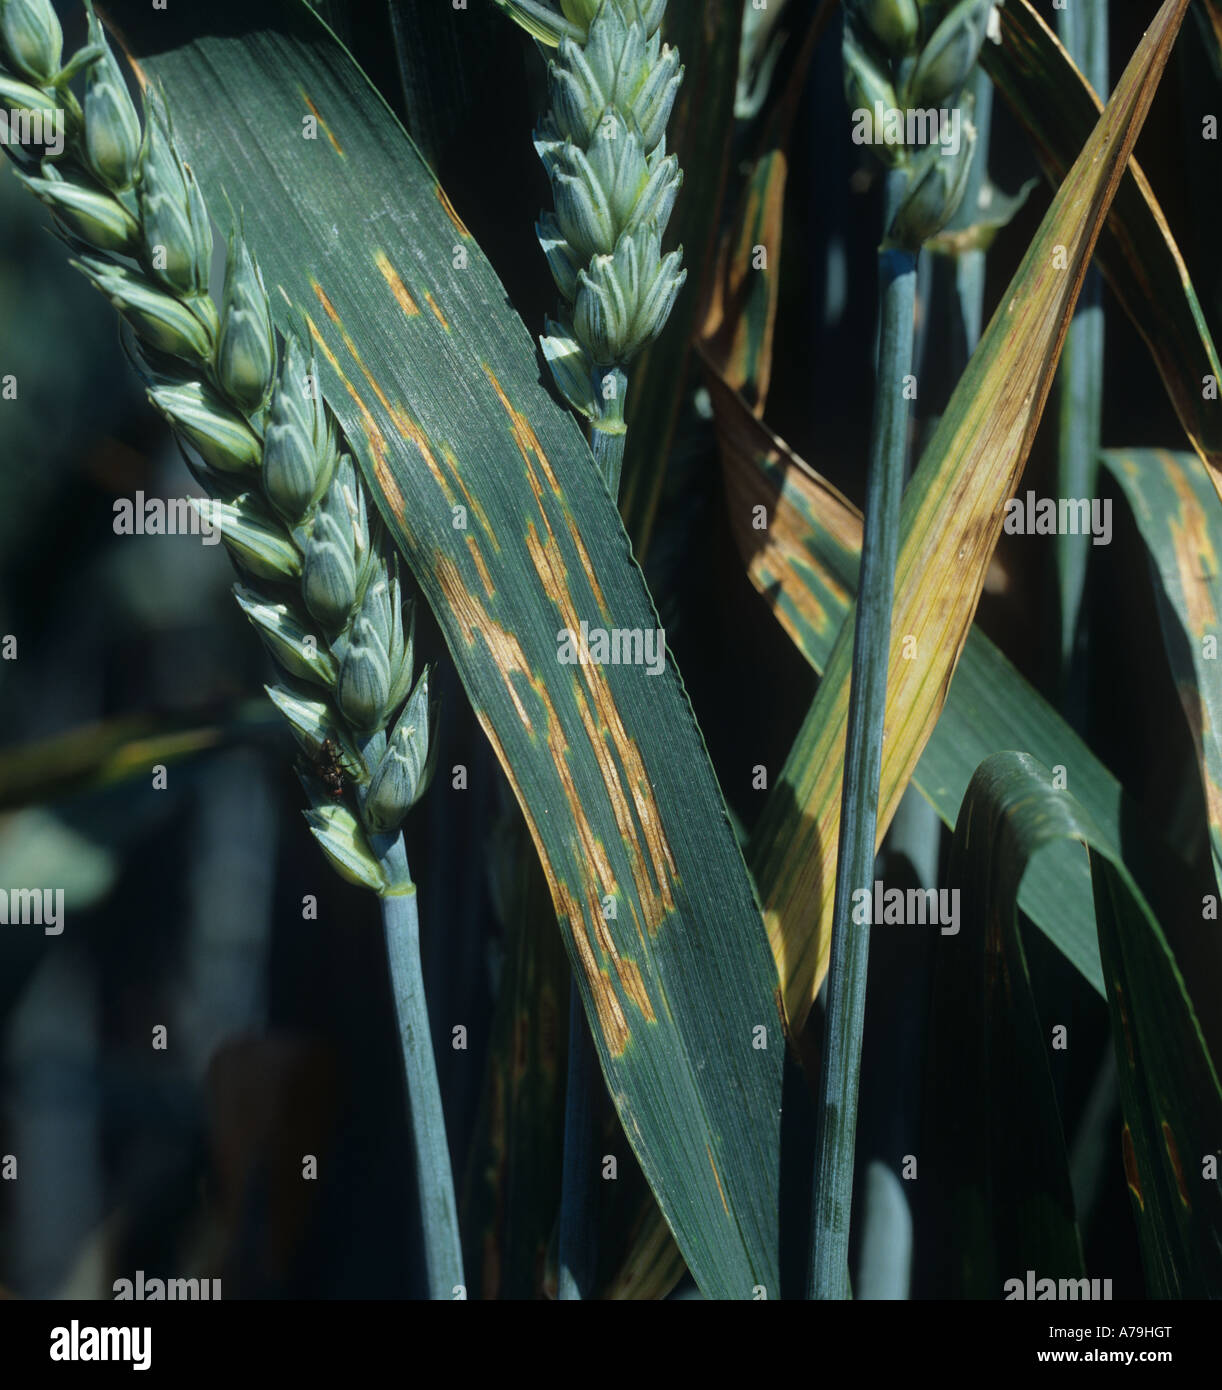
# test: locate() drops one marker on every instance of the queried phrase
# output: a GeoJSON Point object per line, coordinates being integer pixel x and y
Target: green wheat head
{"type": "Point", "coordinates": [917, 55]}
{"type": "Point", "coordinates": [602, 141]}
{"type": "Point", "coordinates": [319, 576]}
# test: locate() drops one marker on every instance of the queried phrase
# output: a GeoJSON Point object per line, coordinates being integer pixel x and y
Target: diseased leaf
{"type": "Point", "coordinates": [494, 500]}
{"type": "Point", "coordinates": [1136, 251]}
{"type": "Point", "coordinates": [805, 565]}
{"type": "Point", "coordinates": [952, 517]}
{"type": "Point", "coordinates": [738, 328]}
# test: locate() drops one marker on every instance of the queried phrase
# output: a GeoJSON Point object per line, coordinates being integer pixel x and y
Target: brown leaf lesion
{"type": "Point", "coordinates": [400, 291]}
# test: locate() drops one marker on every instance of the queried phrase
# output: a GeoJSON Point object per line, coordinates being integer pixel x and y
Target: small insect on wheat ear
{"type": "Point", "coordinates": [330, 769]}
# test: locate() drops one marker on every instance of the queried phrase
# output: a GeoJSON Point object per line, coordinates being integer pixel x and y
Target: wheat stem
{"type": "Point", "coordinates": [893, 49]}
{"type": "Point", "coordinates": [430, 1147]}
{"type": "Point", "coordinates": [847, 972]}
{"type": "Point", "coordinates": [608, 450]}
{"type": "Point", "coordinates": [607, 444]}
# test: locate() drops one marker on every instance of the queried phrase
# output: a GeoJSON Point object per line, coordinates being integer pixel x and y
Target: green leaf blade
{"type": "Point", "coordinates": [1169, 1086]}
{"type": "Point", "coordinates": [1003, 1194]}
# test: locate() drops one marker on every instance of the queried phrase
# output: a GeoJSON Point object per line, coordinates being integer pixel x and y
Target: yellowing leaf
{"type": "Point", "coordinates": [952, 518]}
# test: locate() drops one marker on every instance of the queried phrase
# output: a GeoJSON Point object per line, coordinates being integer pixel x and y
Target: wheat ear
{"type": "Point", "coordinates": [916, 56]}
{"type": "Point", "coordinates": [612, 86]}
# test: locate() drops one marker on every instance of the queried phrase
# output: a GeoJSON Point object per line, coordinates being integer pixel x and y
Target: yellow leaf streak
{"type": "Point", "coordinates": [450, 213]}
{"type": "Point", "coordinates": [326, 129]}
{"type": "Point", "coordinates": [1173, 1154]}
{"type": "Point", "coordinates": [402, 294]}
{"type": "Point", "coordinates": [473, 507]}
{"type": "Point", "coordinates": [775, 556]}
{"type": "Point", "coordinates": [717, 1179]}
{"type": "Point", "coordinates": [617, 755]}
{"type": "Point", "coordinates": [611, 1019]}
{"type": "Point", "coordinates": [527, 441]}
{"type": "Point", "coordinates": [1194, 550]}
{"type": "Point", "coordinates": [549, 565]}
{"type": "Point", "coordinates": [397, 287]}
{"type": "Point", "coordinates": [441, 318]}
{"type": "Point", "coordinates": [407, 427]}
{"type": "Point", "coordinates": [647, 846]}
{"type": "Point", "coordinates": [474, 620]}
{"type": "Point", "coordinates": [377, 440]}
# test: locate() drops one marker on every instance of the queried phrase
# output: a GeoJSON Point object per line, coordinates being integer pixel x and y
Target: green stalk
{"type": "Point", "coordinates": [956, 305]}
{"type": "Point", "coordinates": [608, 450]}
{"type": "Point", "coordinates": [430, 1147]}
{"type": "Point", "coordinates": [910, 56]}
{"type": "Point", "coordinates": [607, 445]}
{"type": "Point", "coordinates": [834, 1149]}
{"type": "Point", "coordinates": [434, 1178]}
{"type": "Point", "coordinates": [1080, 422]}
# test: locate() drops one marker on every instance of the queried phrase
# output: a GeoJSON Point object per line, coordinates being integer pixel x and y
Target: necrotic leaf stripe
{"type": "Point", "coordinates": [621, 768]}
